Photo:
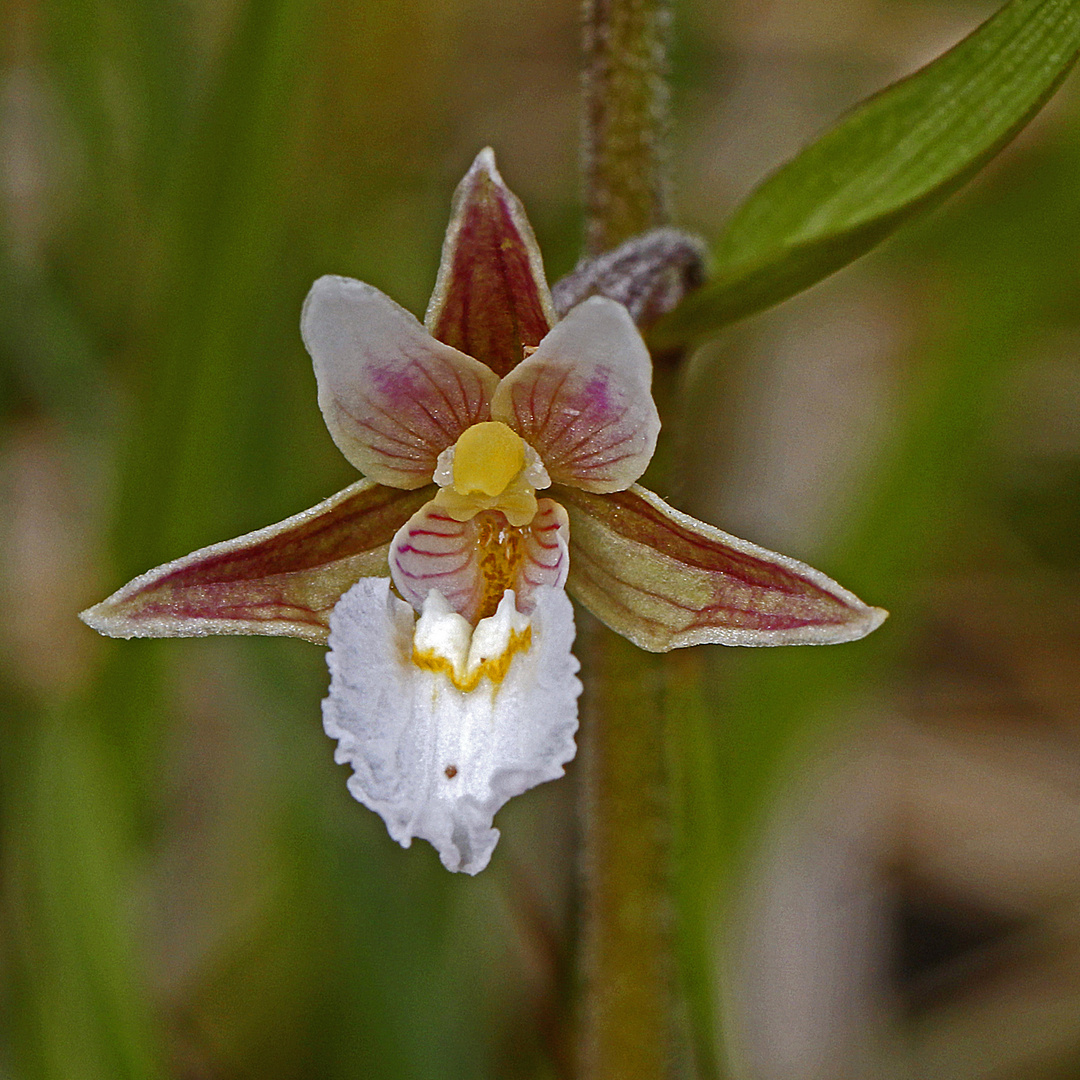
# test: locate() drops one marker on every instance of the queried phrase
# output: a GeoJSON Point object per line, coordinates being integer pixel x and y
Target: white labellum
{"type": "Point", "coordinates": [443, 724]}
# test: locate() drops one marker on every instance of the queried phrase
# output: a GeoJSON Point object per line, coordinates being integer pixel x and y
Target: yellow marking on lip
{"type": "Point", "coordinates": [494, 668]}
{"type": "Point", "coordinates": [502, 552]}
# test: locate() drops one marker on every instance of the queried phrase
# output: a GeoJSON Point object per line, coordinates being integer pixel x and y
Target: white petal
{"type": "Point", "coordinates": [393, 397]}
{"type": "Point", "coordinates": [433, 551]}
{"type": "Point", "coordinates": [432, 760]}
{"type": "Point", "coordinates": [582, 399]}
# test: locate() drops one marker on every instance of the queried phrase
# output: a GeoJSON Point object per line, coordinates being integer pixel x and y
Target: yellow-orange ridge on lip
{"type": "Point", "coordinates": [495, 668]}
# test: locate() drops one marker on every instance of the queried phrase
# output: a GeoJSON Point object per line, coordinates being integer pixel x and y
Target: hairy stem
{"type": "Point", "coordinates": [627, 942]}
{"type": "Point", "coordinates": [625, 120]}
{"type": "Point", "coordinates": [626, 946]}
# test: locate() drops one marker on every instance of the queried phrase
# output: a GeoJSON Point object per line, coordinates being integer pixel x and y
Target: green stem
{"type": "Point", "coordinates": [625, 44]}
{"type": "Point", "coordinates": [627, 941]}
{"type": "Point", "coordinates": [628, 1028]}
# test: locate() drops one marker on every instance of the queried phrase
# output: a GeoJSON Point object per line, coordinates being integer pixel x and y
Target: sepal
{"type": "Point", "coordinates": [282, 580]}
{"type": "Point", "coordinates": [491, 297]}
{"type": "Point", "coordinates": [662, 579]}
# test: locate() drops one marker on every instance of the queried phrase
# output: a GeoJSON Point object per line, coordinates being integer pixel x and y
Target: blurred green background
{"type": "Point", "coordinates": [877, 845]}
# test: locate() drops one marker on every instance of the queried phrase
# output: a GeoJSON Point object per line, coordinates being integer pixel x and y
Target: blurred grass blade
{"type": "Point", "coordinates": [895, 156]}
{"type": "Point", "coordinates": [228, 227]}
{"type": "Point", "coordinates": [89, 1014]}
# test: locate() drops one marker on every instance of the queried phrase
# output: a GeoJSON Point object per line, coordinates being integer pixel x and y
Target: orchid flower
{"type": "Point", "coordinates": [500, 449]}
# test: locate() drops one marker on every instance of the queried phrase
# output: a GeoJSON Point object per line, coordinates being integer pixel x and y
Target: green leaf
{"type": "Point", "coordinates": [897, 155]}
{"type": "Point", "coordinates": [916, 520]}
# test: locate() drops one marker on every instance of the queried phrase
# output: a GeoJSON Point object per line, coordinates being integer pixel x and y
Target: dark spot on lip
{"type": "Point", "coordinates": [451, 772]}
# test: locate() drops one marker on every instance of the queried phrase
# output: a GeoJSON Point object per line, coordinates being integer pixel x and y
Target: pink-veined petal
{"type": "Point", "coordinates": [491, 297]}
{"type": "Point", "coordinates": [393, 397]}
{"type": "Point", "coordinates": [472, 563]}
{"type": "Point", "coordinates": [663, 579]}
{"type": "Point", "coordinates": [547, 552]}
{"type": "Point", "coordinates": [583, 399]}
{"type": "Point", "coordinates": [433, 551]}
{"type": "Point", "coordinates": [282, 580]}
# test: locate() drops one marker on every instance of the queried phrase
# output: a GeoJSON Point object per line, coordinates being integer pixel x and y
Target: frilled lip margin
{"type": "Point", "coordinates": [433, 761]}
